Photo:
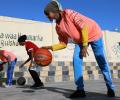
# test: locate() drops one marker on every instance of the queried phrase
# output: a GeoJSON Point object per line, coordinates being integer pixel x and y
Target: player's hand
{"type": "Point", "coordinates": [47, 47]}
{"type": "Point", "coordinates": [84, 51]}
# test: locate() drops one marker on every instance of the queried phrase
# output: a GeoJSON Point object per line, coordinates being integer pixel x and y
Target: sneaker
{"type": "Point", "coordinates": [35, 86]}
{"type": "Point", "coordinates": [78, 94]}
{"type": "Point", "coordinates": [110, 93]}
{"type": "Point", "coordinates": [7, 86]}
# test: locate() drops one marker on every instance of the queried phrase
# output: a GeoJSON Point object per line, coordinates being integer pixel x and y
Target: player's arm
{"type": "Point", "coordinates": [82, 27]}
{"type": "Point", "coordinates": [29, 58]}
{"type": "Point", "coordinates": [62, 42]}
{"type": "Point", "coordinates": [25, 62]}
{"type": "Point", "coordinates": [80, 24]}
{"type": "Point", "coordinates": [56, 47]}
{"type": "Point", "coordinates": [84, 31]}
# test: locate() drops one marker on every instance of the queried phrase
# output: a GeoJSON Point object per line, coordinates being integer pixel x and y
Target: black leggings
{"type": "Point", "coordinates": [35, 77]}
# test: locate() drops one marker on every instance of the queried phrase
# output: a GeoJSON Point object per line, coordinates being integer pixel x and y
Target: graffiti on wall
{"type": "Point", "coordinates": [10, 39]}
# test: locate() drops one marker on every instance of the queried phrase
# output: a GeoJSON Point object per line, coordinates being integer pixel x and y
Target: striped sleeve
{"type": "Point", "coordinates": [78, 21]}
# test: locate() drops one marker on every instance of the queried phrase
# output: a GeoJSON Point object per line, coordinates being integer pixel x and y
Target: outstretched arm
{"type": "Point", "coordinates": [56, 47]}
{"type": "Point", "coordinates": [25, 62]}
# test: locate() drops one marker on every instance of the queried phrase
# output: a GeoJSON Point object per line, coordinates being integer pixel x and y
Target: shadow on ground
{"type": "Point", "coordinates": [66, 93]}
{"type": "Point", "coordinates": [90, 95]}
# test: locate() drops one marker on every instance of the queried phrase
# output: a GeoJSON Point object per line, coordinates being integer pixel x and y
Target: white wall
{"type": "Point", "coordinates": [11, 29]}
{"type": "Point", "coordinates": [45, 34]}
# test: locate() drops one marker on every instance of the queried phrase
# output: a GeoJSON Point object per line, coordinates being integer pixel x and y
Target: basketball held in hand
{"type": "Point", "coordinates": [43, 57]}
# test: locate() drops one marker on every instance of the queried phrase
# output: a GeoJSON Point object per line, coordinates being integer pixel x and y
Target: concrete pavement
{"type": "Point", "coordinates": [96, 90]}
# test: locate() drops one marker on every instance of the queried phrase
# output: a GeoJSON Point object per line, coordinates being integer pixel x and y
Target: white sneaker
{"type": "Point", "coordinates": [7, 86]}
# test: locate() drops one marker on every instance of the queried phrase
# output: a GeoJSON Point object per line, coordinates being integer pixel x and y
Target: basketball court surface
{"type": "Point", "coordinates": [95, 90]}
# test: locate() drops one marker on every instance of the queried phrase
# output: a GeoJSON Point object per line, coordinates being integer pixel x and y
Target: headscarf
{"type": "Point", "coordinates": [52, 7]}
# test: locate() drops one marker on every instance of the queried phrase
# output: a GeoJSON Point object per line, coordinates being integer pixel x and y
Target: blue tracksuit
{"type": "Point", "coordinates": [98, 49]}
{"type": "Point", "coordinates": [10, 70]}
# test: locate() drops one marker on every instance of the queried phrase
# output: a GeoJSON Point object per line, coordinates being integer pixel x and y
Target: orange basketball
{"type": "Point", "coordinates": [43, 57]}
